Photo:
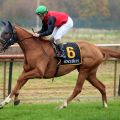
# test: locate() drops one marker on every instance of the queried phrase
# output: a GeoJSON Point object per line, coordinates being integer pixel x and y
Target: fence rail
{"type": "Point", "coordinates": [14, 58]}
{"type": "Point", "coordinates": [11, 59]}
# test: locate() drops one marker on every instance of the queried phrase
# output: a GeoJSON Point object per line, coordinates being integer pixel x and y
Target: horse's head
{"type": "Point", "coordinates": [8, 36]}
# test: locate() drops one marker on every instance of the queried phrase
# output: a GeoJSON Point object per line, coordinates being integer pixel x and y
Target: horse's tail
{"type": "Point", "coordinates": [108, 53]}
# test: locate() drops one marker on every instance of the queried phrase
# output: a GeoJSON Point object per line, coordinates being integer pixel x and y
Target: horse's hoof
{"type": "Point", "coordinates": [17, 102]}
{"type": "Point", "coordinates": [63, 107]}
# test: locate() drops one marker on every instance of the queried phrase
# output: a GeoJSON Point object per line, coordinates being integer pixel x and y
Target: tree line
{"type": "Point", "coordinates": [85, 13]}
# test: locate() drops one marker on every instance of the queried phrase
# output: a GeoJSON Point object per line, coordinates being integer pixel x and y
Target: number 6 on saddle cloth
{"type": "Point", "coordinates": [72, 53]}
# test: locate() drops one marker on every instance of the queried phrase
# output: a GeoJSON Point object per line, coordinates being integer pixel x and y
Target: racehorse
{"type": "Point", "coordinates": [40, 62]}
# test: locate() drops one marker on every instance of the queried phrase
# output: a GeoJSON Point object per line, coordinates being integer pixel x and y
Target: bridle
{"type": "Point", "coordinates": [13, 39]}
{"type": "Point", "coordinates": [24, 39]}
{"type": "Point", "coordinates": [10, 41]}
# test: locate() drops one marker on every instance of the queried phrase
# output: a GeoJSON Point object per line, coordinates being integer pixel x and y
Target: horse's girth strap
{"type": "Point", "coordinates": [57, 69]}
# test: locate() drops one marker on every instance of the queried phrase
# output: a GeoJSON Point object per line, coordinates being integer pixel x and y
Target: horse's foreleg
{"type": "Point", "coordinates": [20, 82]}
{"type": "Point", "coordinates": [80, 81]}
{"type": "Point", "coordinates": [28, 75]}
{"type": "Point", "coordinates": [6, 101]}
{"type": "Point", "coordinates": [15, 91]}
{"type": "Point", "coordinates": [37, 72]}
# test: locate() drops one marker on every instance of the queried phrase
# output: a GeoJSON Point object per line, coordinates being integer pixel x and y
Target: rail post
{"type": "Point", "coordinates": [115, 74]}
{"type": "Point", "coordinates": [119, 87]}
{"type": "Point", "coordinates": [4, 81]}
{"type": "Point", "coordinates": [10, 76]}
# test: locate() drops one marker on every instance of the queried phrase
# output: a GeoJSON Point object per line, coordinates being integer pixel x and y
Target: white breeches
{"type": "Point", "coordinates": [59, 32]}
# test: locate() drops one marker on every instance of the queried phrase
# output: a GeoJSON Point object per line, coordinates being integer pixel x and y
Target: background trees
{"type": "Point", "coordinates": [86, 13]}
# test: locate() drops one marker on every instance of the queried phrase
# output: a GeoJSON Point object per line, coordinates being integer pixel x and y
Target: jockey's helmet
{"type": "Point", "coordinates": [41, 9]}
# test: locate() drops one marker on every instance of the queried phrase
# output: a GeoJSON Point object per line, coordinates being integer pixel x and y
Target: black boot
{"type": "Point", "coordinates": [58, 48]}
{"type": "Point", "coordinates": [60, 51]}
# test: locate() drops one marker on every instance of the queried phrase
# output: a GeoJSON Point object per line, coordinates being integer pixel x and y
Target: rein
{"type": "Point", "coordinates": [25, 38]}
{"type": "Point", "coordinates": [44, 51]}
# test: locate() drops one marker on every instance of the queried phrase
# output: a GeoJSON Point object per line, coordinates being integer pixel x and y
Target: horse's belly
{"type": "Point", "coordinates": [63, 70]}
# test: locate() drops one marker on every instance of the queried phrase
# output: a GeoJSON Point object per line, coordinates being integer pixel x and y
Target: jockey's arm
{"type": "Point", "coordinates": [44, 28]}
{"type": "Point", "coordinates": [50, 27]}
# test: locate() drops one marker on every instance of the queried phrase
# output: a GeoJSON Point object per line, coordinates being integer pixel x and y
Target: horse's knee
{"type": "Point", "coordinates": [14, 92]}
{"type": "Point", "coordinates": [19, 81]}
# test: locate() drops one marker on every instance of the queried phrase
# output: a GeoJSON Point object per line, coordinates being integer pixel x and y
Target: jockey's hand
{"type": "Point", "coordinates": [36, 35]}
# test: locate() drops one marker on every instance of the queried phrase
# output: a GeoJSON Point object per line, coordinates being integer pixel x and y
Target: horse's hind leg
{"type": "Point", "coordinates": [80, 81]}
{"type": "Point", "coordinates": [100, 86]}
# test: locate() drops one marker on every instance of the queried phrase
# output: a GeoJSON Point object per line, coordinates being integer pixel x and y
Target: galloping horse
{"type": "Point", "coordinates": [40, 62]}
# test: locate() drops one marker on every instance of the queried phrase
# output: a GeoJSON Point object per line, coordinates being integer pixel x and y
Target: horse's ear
{"type": "Point", "coordinates": [4, 23]}
{"type": "Point", "coordinates": [9, 23]}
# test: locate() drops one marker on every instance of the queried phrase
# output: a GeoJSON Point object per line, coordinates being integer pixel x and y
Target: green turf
{"type": "Point", "coordinates": [75, 111]}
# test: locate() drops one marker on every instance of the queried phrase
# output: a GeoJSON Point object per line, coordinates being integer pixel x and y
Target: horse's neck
{"type": "Point", "coordinates": [31, 43]}
{"type": "Point", "coordinates": [22, 35]}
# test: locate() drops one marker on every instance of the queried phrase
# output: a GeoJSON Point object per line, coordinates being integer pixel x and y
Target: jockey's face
{"type": "Point", "coordinates": [41, 16]}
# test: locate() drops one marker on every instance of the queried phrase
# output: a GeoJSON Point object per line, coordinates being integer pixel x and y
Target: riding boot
{"type": "Point", "coordinates": [61, 52]}
{"type": "Point", "coordinates": [58, 48]}
{"type": "Point", "coordinates": [54, 44]}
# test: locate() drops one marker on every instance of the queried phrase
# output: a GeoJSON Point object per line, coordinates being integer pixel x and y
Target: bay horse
{"type": "Point", "coordinates": [40, 62]}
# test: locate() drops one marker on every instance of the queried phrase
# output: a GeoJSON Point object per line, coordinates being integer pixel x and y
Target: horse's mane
{"type": "Point", "coordinates": [25, 30]}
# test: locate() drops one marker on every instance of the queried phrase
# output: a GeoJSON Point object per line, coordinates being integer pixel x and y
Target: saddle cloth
{"type": "Point", "coordinates": [72, 53]}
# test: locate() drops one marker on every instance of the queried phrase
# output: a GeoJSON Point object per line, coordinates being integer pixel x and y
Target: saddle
{"type": "Point", "coordinates": [71, 53]}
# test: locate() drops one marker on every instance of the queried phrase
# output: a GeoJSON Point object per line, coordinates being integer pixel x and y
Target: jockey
{"type": "Point", "coordinates": [55, 24]}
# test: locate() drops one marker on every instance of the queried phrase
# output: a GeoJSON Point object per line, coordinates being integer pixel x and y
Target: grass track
{"type": "Point", "coordinates": [75, 111]}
